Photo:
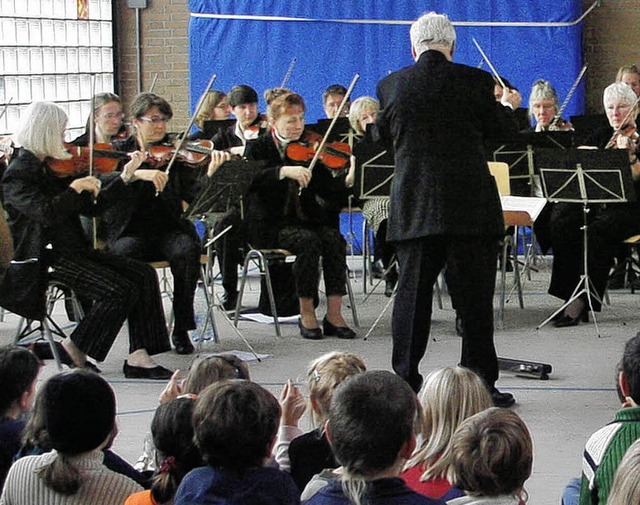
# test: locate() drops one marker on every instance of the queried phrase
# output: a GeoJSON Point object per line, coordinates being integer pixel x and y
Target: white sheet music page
{"type": "Point", "coordinates": [529, 204]}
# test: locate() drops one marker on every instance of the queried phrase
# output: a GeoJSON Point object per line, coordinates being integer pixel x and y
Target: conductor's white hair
{"type": "Point", "coordinates": [41, 128]}
{"type": "Point", "coordinates": [432, 29]}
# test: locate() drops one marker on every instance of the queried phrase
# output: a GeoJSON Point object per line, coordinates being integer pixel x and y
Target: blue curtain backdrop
{"type": "Point", "coordinates": [254, 41]}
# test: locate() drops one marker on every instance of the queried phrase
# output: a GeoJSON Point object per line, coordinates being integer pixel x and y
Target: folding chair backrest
{"type": "Point", "coordinates": [500, 172]}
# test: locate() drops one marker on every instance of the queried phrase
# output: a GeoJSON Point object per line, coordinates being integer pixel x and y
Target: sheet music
{"type": "Point", "coordinates": [529, 204]}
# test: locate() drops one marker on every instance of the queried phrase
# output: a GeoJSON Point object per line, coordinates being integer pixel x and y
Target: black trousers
{"type": "Point", "coordinates": [228, 248]}
{"type": "Point", "coordinates": [309, 245]}
{"type": "Point", "coordinates": [120, 288]}
{"type": "Point", "coordinates": [182, 252]}
{"type": "Point", "coordinates": [472, 262]}
{"type": "Point", "coordinates": [608, 226]}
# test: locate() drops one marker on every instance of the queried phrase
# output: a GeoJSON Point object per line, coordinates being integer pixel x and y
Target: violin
{"type": "Point", "coordinates": [106, 160]}
{"type": "Point", "coordinates": [334, 155]}
{"type": "Point", "coordinates": [630, 131]}
{"type": "Point", "coordinates": [192, 152]}
{"type": "Point", "coordinates": [252, 132]}
{"type": "Point", "coordinates": [560, 125]}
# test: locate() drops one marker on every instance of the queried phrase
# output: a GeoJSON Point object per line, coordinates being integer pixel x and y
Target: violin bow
{"type": "Point", "coordinates": [489, 64]}
{"type": "Point", "coordinates": [92, 135]}
{"type": "Point", "coordinates": [183, 137]}
{"type": "Point", "coordinates": [623, 123]}
{"type": "Point", "coordinates": [287, 75]}
{"type": "Point", "coordinates": [344, 101]}
{"type": "Point", "coordinates": [6, 106]}
{"type": "Point", "coordinates": [153, 83]}
{"type": "Point", "coordinates": [569, 95]}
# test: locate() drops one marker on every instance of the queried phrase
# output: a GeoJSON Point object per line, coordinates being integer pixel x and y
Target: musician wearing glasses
{"type": "Point", "coordinates": [148, 225]}
{"type": "Point", "coordinates": [609, 224]}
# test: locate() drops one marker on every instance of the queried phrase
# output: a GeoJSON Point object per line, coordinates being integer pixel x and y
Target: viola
{"type": "Point", "coordinates": [334, 155]}
{"type": "Point", "coordinates": [192, 152]}
{"type": "Point", "coordinates": [105, 161]}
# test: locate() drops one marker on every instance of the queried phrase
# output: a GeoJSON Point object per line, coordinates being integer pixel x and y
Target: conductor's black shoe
{"type": "Point", "coordinates": [504, 400]}
{"type": "Point", "coordinates": [309, 333]}
{"type": "Point", "coordinates": [182, 342]}
{"type": "Point", "coordinates": [331, 330]}
{"type": "Point", "coordinates": [137, 372]}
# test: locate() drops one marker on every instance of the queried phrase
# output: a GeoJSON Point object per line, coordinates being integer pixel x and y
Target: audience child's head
{"type": "Point", "coordinates": [213, 368]}
{"type": "Point", "coordinates": [625, 489]}
{"type": "Point", "coordinates": [19, 370]}
{"type": "Point", "coordinates": [371, 428]}
{"type": "Point", "coordinates": [492, 454]}
{"type": "Point", "coordinates": [235, 423]}
{"type": "Point", "coordinates": [323, 376]}
{"type": "Point", "coordinates": [80, 414]}
{"type": "Point", "coordinates": [448, 397]}
{"type": "Point", "coordinates": [629, 378]}
{"type": "Point", "coordinates": [172, 433]}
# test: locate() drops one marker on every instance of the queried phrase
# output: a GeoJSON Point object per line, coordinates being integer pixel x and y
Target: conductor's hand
{"type": "Point", "coordinates": [217, 159]}
{"type": "Point", "coordinates": [157, 177]}
{"type": "Point", "coordinates": [292, 403]}
{"type": "Point", "coordinates": [511, 98]}
{"type": "Point", "coordinates": [301, 175]}
{"type": "Point", "coordinates": [89, 183]}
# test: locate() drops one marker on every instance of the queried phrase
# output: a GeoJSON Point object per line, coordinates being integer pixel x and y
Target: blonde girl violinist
{"type": "Point", "coordinates": [293, 208]}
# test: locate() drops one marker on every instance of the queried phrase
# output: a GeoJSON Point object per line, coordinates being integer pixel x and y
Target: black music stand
{"type": "Point", "coordinates": [585, 177]}
{"type": "Point", "coordinates": [341, 132]}
{"type": "Point", "coordinates": [213, 126]}
{"type": "Point", "coordinates": [519, 154]}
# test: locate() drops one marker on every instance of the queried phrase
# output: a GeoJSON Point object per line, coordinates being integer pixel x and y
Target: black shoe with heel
{"type": "Point", "coordinates": [331, 330]}
{"type": "Point", "coordinates": [309, 333]}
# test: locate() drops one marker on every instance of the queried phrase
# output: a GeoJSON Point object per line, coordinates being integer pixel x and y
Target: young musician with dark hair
{"type": "Point", "coordinates": [148, 225]}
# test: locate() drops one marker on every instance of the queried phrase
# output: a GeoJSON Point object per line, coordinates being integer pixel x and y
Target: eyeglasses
{"type": "Point", "coordinates": [113, 115]}
{"type": "Point", "coordinates": [155, 119]}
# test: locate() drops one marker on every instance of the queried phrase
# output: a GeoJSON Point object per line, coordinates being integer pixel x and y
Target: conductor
{"type": "Point", "coordinates": [445, 207]}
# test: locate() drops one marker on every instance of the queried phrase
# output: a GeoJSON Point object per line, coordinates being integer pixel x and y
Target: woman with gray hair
{"type": "Point", "coordinates": [608, 225]}
{"type": "Point", "coordinates": [44, 216]}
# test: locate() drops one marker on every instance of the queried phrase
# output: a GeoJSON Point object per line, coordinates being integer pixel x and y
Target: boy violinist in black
{"type": "Point", "coordinates": [148, 226]}
{"type": "Point", "coordinates": [296, 209]}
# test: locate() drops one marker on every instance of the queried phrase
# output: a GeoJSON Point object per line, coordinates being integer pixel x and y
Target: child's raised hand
{"type": "Point", "coordinates": [292, 403]}
{"type": "Point", "coordinates": [173, 389]}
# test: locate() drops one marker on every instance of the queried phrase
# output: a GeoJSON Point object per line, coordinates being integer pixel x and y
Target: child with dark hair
{"type": "Point", "coordinates": [80, 410]}
{"type": "Point", "coordinates": [35, 441]}
{"type": "Point", "coordinates": [235, 424]}
{"type": "Point", "coordinates": [605, 448]}
{"type": "Point", "coordinates": [371, 431]}
{"type": "Point", "coordinates": [173, 438]}
{"type": "Point", "coordinates": [19, 370]}
{"type": "Point", "coordinates": [492, 457]}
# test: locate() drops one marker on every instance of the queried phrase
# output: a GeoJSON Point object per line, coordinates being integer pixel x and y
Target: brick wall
{"type": "Point", "coordinates": [611, 39]}
{"type": "Point", "coordinates": [164, 51]}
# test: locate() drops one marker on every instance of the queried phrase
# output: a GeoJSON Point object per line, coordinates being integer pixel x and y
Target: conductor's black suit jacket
{"type": "Point", "coordinates": [438, 115]}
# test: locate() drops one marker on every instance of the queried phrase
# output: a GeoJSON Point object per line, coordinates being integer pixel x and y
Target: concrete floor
{"type": "Point", "coordinates": [561, 412]}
